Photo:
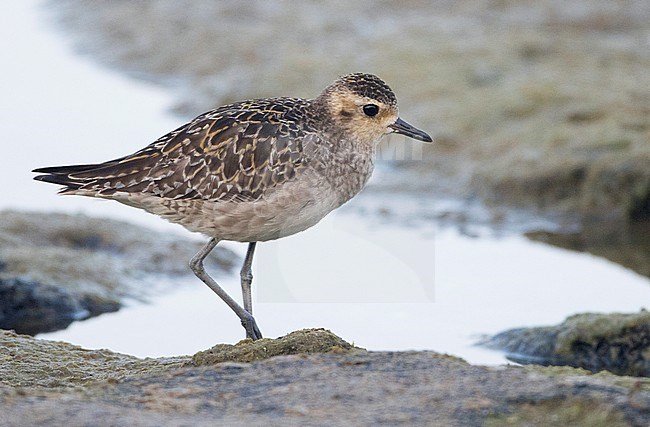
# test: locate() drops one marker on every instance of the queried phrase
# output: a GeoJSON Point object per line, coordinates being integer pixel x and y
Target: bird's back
{"type": "Point", "coordinates": [235, 152]}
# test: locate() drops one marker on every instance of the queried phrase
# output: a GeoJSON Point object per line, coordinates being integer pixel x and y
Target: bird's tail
{"type": "Point", "coordinates": [64, 175]}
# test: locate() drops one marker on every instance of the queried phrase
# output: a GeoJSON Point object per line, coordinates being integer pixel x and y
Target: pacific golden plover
{"type": "Point", "coordinates": [252, 171]}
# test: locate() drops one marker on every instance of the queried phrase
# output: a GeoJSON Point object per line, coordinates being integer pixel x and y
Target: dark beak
{"type": "Point", "coordinates": [400, 126]}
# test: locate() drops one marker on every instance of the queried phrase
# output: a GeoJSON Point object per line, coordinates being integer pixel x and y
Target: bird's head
{"type": "Point", "coordinates": [365, 107]}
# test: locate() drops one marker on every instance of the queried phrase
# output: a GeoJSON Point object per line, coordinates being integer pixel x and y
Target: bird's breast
{"type": "Point", "coordinates": [349, 171]}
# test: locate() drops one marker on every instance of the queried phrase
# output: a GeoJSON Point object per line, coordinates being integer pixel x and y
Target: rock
{"type": "Point", "coordinates": [300, 342]}
{"type": "Point", "coordinates": [619, 343]}
{"type": "Point", "coordinates": [29, 362]}
{"type": "Point", "coordinates": [56, 268]}
{"type": "Point", "coordinates": [53, 383]}
{"type": "Point", "coordinates": [30, 307]}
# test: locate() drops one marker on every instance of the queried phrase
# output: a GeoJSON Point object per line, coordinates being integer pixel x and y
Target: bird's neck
{"type": "Point", "coordinates": [349, 159]}
{"type": "Point", "coordinates": [350, 168]}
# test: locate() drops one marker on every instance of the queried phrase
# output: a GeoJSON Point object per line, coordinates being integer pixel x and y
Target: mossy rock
{"type": "Point", "coordinates": [30, 362]}
{"type": "Point", "coordinates": [560, 413]}
{"type": "Point", "coordinates": [299, 342]}
{"type": "Point", "coordinates": [618, 342]}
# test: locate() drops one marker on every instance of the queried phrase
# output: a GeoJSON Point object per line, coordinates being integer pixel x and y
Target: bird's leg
{"type": "Point", "coordinates": [246, 275]}
{"type": "Point", "coordinates": [247, 320]}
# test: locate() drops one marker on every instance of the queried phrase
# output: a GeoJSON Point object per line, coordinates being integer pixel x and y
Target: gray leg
{"type": "Point", "coordinates": [247, 320]}
{"type": "Point", "coordinates": [246, 275]}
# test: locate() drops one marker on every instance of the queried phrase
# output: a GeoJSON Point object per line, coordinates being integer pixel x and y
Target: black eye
{"type": "Point", "coordinates": [370, 109]}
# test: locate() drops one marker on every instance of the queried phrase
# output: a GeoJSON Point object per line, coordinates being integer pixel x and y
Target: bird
{"type": "Point", "coordinates": [252, 171]}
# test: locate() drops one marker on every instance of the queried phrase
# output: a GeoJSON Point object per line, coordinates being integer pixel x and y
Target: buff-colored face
{"type": "Point", "coordinates": [367, 119]}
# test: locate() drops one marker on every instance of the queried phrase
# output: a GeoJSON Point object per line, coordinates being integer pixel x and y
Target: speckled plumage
{"type": "Point", "coordinates": [254, 170]}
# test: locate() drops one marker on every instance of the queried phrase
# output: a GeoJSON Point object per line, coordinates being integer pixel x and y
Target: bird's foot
{"type": "Point", "coordinates": [252, 331]}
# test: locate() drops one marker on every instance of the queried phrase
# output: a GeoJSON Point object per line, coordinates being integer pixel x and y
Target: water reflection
{"type": "Point", "coordinates": [627, 245]}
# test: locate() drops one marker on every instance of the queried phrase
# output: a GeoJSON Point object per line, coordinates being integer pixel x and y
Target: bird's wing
{"type": "Point", "coordinates": [224, 155]}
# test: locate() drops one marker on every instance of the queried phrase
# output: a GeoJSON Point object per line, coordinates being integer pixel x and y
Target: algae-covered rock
{"type": "Point", "coordinates": [29, 362]}
{"type": "Point", "coordinates": [55, 383]}
{"type": "Point", "coordinates": [299, 342]}
{"type": "Point", "coordinates": [619, 343]}
{"type": "Point", "coordinates": [560, 413]}
{"type": "Point", "coordinates": [57, 268]}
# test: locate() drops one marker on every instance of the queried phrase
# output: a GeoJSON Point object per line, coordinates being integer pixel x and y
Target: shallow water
{"type": "Point", "coordinates": [384, 287]}
{"type": "Point", "coordinates": [376, 282]}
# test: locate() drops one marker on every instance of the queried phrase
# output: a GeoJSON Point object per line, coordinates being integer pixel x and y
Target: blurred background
{"type": "Point", "coordinates": [540, 112]}
{"type": "Point", "coordinates": [537, 105]}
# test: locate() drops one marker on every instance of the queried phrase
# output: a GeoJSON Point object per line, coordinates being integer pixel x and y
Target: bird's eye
{"type": "Point", "coordinates": [370, 110]}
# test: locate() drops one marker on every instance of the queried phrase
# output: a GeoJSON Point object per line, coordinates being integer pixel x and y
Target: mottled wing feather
{"type": "Point", "coordinates": [229, 154]}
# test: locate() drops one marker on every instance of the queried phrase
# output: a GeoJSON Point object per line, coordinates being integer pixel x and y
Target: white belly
{"type": "Point", "coordinates": [282, 215]}
{"type": "Point", "coordinates": [289, 210]}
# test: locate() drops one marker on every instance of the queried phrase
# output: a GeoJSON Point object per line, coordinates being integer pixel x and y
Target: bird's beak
{"type": "Point", "coordinates": [401, 127]}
